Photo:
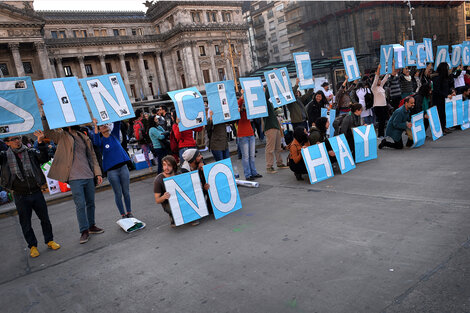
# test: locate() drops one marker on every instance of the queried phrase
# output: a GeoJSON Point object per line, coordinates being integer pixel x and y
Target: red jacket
{"type": "Point", "coordinates": [185, 138]}
{"type": "Point", "coordinates": [244, 125]}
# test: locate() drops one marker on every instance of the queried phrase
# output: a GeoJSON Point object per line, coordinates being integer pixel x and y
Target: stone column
{"type": "Point", "coordinates": [160, 73]}
{"type": "Point", "coordinates": [199, 78]}
{"type": "Point", "coordinates": [188, 66]}
{"type": "Point", "coordinates": [228, 66]}
{"type": "Point", "coordinates": [169, 70]}
{"type": "Point", "coordinates": [52, 68]}
{"type": "Point", "coordinates": [178, 83]}
{"type": "Point", "coordinates": [59, 67]}
{"type": "Point", "coordinates": [143, 76]}
{"type": "Point", "coordinates": [43, 59]}
{"type": "Point", "coordinates": [211, 54]}
{"type": "Point", "coordinates": [82, 66]}
{"type": "Point", "coordinates": [14, 47]}
{"type": "Point", "coordinates": [245, 52]}
{"type": "Point", "coordinates": [124, 75]}
{"type": "Point", "coordinates": [103, 64]}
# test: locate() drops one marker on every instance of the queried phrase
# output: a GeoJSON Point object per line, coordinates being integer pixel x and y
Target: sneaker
{"type": "Point", "coordinates": [95, 230]}
{"type": "Point", "coordinates": [84, 236]}
{"type": "Point", "coordinates": [250, 178]}
{"type": "Point", "coordinates": [33, 252]}
{"type": "Point", "coordinates": [129, 215]}
{"type": "Point", "coordinates": [298, 176]}
{"type": "Point", "coordinates": [271, 170]}
{"type": "Point", "coordinates": [53, 245]}
{"type": "Point", "coordinates": [123, 216]}
{"type": "Point", "coordinates": [257, 176]}
{"type": "Point", "coordinates": [382, 144]}
{"type": "Point", "coordinates": [282, 165]}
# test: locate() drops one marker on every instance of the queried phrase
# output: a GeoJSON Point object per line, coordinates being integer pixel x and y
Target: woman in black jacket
{"type": "Point", "coordinates": [441, 90]}
{"type": "Point", "coordinates": [314, 107]}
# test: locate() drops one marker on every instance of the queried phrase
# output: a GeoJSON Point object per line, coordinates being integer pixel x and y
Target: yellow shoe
{"type": "Point", "coordinates": [53, 245]}
{"type": "Point", "coordinates": [34, 252]}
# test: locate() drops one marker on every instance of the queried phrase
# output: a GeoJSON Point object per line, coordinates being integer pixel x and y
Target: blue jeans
{"type": "Point", "coordinates": [247, 146]}
{"type": "Point", "coordinates": [83, 193]}
{"type": "Point", "coordinates": [221, 154]}
{"type": "Point", "coordinates": [369, 120]}
{"type": "Point", "coordinates": [119, 180]}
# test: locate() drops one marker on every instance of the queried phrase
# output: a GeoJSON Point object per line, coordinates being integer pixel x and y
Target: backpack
{"type": "Point", "coordinates": [369, 99]}
{"type": "Point", "coordinates": [140, 133]}
{"type": "Point", "coordinates": [337, 123]}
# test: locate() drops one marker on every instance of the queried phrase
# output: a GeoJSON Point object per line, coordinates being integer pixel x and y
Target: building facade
{"type": "Point", "coordinates": [173, 45]}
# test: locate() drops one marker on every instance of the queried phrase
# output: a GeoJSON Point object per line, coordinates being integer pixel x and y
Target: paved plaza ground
{"type": "Point", "coordinates": [390, 236]}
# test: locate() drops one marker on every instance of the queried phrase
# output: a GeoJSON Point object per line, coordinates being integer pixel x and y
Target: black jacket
{"type": "Point", "coordinates": [31, 184]}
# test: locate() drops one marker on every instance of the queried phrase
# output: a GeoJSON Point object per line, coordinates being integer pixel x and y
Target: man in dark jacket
{"type": "Point", "coordinates": [398, 123]}
{"type": "Point", "coordinates": [20, 172]}
{"type": "Point", "coordinates": [298, 113]}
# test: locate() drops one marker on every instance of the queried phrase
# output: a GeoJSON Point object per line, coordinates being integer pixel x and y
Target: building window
{"type": "Point", "coordinates": [280, 20]}
{"type": "Point", "coordinates": [217, 50]}
{"type": "Point", "coordinates": [233, 48]}
{"type": "Point", "coordinates": [178, 55]}
{"type": "Point", "coordinates": [183, 81]}
{"type": "Point", "coordinates": [221, 72]}
{"type": "Point", "coordinates": [122, 32]}
{"type": "Point", "coordinates": [137, 32]}
{"type": "Point", "coordinates": [226, 17]}
{"type": "Point", "coordinates": [280, 7]}
{"type": "Point", "coordinates": [271, 25]}
{"type": "Point", "coordinates": [273, 37]}
{"type": "Point", "coordinates": [109, 68]}
{"type": "Point", "coordinates": [211, 16]}
{"type": "Point", "coordinates": [202, 51]}
{"type": "Point", "coordinates": [206, 75]}
{"type": "Point", "coordinates": [133, 93]}
{"type": "Point", "coordinates": [28, 69]}
{"type": "Point", "coordinates": [270, 14]}
{"type": "Point", "coordinates": [79, 33]}
{"type": "Point", "coordinates": [157, 29]}
{"type": "Point", "coordinates": [62, 34]}
{"type": "Point", "coordinates": [275, 49]}
{"type": "Point", "coordinates": [68, 71]}
{"type": "Point", "coordinates": [100, 32]}
{"type": "Point", "coordinates": [88, 69]}
{"type": "Point", "coordinates": [116, 32]}
{"type": "Point", "coordinates": [54, 34]}
{"type": "Point", "coordinates": [196, 17]}
{"type": "Point", "coordinates": [146, 64]}
{"type": "Point", "coordinates": [128, 66]}
{"type": "Point", "coordinates": [4, 69]}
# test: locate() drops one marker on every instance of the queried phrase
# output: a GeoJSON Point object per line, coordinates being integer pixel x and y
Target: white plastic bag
{"type": "Point", "coordinates": [131, 224]}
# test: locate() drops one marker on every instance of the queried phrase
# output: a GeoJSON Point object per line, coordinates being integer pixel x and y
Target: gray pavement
{"type": "Point", "coordinates": [390, 236]}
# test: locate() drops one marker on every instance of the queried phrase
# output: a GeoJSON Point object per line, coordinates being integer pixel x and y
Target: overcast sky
{"type": "Point", "coordinates": [90, 5]}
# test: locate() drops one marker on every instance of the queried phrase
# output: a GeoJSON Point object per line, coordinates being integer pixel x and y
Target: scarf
{"type": "Point", "coordinates": [13, 164]}
{"type": "Point", "coordinates": [408, 78]}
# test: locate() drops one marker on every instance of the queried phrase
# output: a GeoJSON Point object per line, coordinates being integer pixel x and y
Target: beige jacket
{"type": "Point", "coordinates": [63, 157]}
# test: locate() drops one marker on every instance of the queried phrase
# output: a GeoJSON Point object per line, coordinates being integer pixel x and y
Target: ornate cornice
{"type": "Point", "coordinates": [100, 17]}
{"type": "Point", "coordinates": [30, 16]}
{"type": "Point", "coordinates": [161, 8]}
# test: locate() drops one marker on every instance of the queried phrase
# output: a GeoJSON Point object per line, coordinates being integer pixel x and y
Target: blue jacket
{"type": "Point", "coordinates": [397, 123]}
{"type": "Point", "coordinates": [156, 134]}
{"type": "Point", "coordinates": [113, 153]}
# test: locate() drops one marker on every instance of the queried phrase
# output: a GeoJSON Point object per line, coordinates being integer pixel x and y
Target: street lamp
{"type": "Point", "coordinates": [231, 53]}
{"type": "Point", "coordinates": [412, 21]}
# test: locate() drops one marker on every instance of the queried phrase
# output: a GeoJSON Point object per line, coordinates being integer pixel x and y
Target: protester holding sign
{"type": "Point", "coordinates": [317, 134]}
{"type": "Point", "coordinates": [170, 168]}
{"type": "Point", "coordinates": [295, 160]}
{"type": "Point", "coordinates": [364, 94]}
{"type": "Point", "coordinates": [422, 102]}
{"type": "Point", "coordinates": [21, 173]}
{"type": "Point", "coordinates": [246, 138]}
{"type": "Point", "coordinates": [314, 107]}
{"type": "Point", "coordinates": [185, 138]}
{"type": "Point", "coordinates": [115, 161]}
{"type": "Point", "coordinates": [349, 122]}
{"type": "Point", "coordinates": [441, 90]}
{"type": "Point", "coordinates": [343, 99]}
{"type": "Point", "coordinates": [398, 123]}
{"type": "Point", "coordinates": [141, 135]}
{"type": "Point", "coordinates": [380, 100]}
{"type": "Point", "coordinates": [272, 131]}
{"type": "Point", "coordinates": [406, 83]}
{"type": "Point", "coordinates": [217, 134]}
{"type": "Point", "coordinates": [298, 113]}
{"type": "Point", "coordinates": [75, 163]}
{"type": "Point", "coordinates": [158, 136]}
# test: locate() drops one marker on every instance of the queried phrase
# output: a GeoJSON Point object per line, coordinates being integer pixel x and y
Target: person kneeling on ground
{"type": "Point", "coordinates": [349, 122]}
{"type": "Point", "coordinates": [295, 160]}
{"type": "Point", "coordinates": [318, 135]}
{"type": "Point", "coordinates": [398, 123]}
{"type": "Point", "coordinates": [170, 168]}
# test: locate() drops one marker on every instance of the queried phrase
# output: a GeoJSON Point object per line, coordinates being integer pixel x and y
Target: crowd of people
{"type": "Point", "coordinates": [84, 154]}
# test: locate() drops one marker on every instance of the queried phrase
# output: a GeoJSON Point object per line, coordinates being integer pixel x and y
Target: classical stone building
{"type": "Point", "coordinates": [171, 46]}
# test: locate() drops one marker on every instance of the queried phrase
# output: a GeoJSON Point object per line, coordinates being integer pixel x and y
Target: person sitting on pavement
{"type": "Point", "coordinates": [21, 173]}
{"type": "Point", "coordinates": [170, 168]}
{"type": "Point", "coordinates": [350, 121]}
{"type": "Point", "coordinates": [317, 135]}
{"type": "Point", "coordinates": [115, 161]}
{"type": "Point", "coordinates": [75, 163]}
{"type": "Point", "coordinates": [397, 124]}
{"type": "Point", "coordinates": [295, 161]}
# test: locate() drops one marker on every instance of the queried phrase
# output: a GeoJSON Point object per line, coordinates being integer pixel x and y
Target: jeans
{"type": "Point", "coordinates": [119, 180]}
{"type": "Point", "coordinates": [247, 146]}
{"type": "Point", "coordinates": [369, 120]}
{"type": "Point", "coordinates": [83, 193]}
{"type": "Point", "coordinates": [221, 154]}
{"type": "Point", "coordinates": [159, 154]}
{"type": "Point", "coordinates": [25, 204]}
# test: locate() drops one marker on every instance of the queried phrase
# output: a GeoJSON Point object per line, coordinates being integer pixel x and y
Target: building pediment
{"type": "Point", "coordinates": [11, 16]}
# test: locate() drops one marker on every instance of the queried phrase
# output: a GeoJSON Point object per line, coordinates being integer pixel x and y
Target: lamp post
{"type": "Point", "coordinates": [412, 21]}
{"type": "Point", "coordinates": [230, 56]}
